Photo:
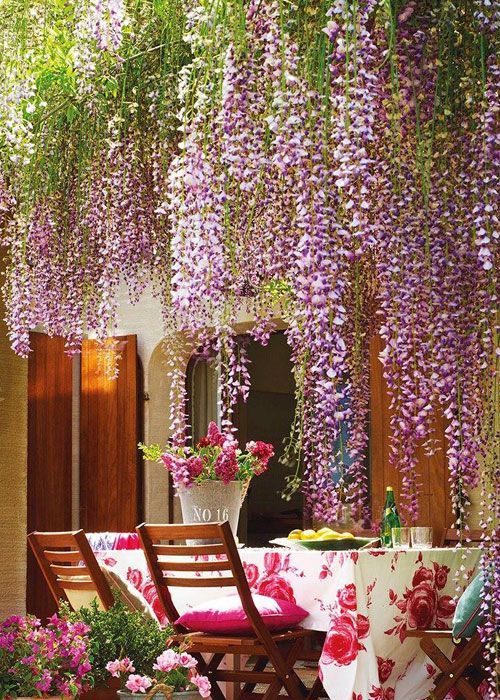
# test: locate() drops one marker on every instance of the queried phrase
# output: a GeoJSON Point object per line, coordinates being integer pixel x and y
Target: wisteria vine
{"type": "Point", "coordinates": [331, 165]}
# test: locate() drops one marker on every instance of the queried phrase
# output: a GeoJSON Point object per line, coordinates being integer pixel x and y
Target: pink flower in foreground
{"type": "Point", "coordinates": [167, 661]}
{"type": "Point", "coordinates": [118, 666]}
{"type": "Point", "coordinates": [203, 685]}
{"type": "Point", "coordinates": [138, 684]}
{"type": "Point", "coordinates": [186, 660]}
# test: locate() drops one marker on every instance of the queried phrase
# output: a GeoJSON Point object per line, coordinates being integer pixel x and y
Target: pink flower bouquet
{"type": "Point", "coordinates": [174, 668]}
{"type": "Point", "coordinates": [38, 660]}
{"type": "Point", "coordinates": [215, 458]}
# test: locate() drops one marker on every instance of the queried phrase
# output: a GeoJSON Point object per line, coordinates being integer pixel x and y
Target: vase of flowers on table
{"type": "Point", "coordinates": [212, 478]}
{"type": "Point", "coordinates": [173, 676]}
{"type": "Point", "coordinates": [36, 660]}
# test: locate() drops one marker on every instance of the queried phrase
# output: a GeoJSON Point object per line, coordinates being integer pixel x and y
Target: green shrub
{"type": "Point", "coordinates": [117, 633]}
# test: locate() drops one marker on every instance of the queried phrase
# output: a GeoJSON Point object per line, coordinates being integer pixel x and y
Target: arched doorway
{"type": "Point", "coordinates": [267, 415]}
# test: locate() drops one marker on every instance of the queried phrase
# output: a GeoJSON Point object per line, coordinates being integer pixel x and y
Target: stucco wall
{"type": "Point", "coordinates": [13, 451]}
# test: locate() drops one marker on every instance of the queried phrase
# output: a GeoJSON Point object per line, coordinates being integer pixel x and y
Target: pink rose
{"type": "Point", "coordinates": [421, 575]}
{"type": "Point", "coordinates": [275, 586]}
{"type": "Point", "coordinates": [385, 667]}
{"type": "Point", "coordinates": [347, 597]}
{"type": "Point", "coordinates": [272, 562]}
{"type": "Point", "coordinates": [341, 645]}
{"type": "Point", "coordinates": [421, 606]}
{"type": "Point", "coordinates": [138, 684]}
{"type": "Point", "coordinates": [363, 624]}
{"type": "Point", "coordinates": [135, 577]}
{"type": "Point", "coordinates": [252, 573]}
{"type": "Point", "coordinates": [203, 685]}
{"type": "Point", "coordinates": [440, 575]}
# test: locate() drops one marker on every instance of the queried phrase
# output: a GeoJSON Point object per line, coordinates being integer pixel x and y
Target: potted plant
{"type": "Point", "coordinates": [118, 633]}
{"type": "Point", "coordinates": [212, 478]}
{"type": "Point", "coordinates": [36, 660]}
{"type": "Point", "coordinates": [173, 674]}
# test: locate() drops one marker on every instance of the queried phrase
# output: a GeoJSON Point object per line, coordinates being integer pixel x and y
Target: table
{"type": "Point", "coordinates": [364, 601]}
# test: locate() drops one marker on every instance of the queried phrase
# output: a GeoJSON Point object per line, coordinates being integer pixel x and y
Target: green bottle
{"type": "Point", "coordinates": [390, 518]}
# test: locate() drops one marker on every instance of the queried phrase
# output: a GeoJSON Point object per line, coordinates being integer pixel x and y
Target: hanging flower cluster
{"type": "Point", "coordinates": [333, 167]}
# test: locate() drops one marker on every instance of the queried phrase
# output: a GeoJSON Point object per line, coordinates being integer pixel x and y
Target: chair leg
{"type": "Point", "coordinates": [286, 676]}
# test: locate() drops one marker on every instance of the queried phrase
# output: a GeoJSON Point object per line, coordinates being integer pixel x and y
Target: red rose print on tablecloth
{"type": "Point", "coordinates": [423, 606]}
{"type": "Point", "coordinates": [252, 573]}
{"type": "Point", "coordinates": [342, 641]}
{"type": "Point", "coordinates": [356, 696]}
{"type": "Point", "coordinates": [273, 562]}
{"type": "Point", "coordinates": [431, 670]}
{"type": "Point", "coordinates": [363, 624]}
{"type": "Point", "coordinates": [134, 576]}
{"type": "Point", "coordinates": [385, 668]}
{"type": "Point", "coordinates": [276, 586]}
{"type": "Point", "coordinates": [347, 597]}
{"type": "Point", "coordinates": [148, 591]}
{"type": "Point", "coordinates": [382, 693]}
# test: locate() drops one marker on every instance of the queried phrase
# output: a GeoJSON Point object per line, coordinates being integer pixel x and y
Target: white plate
{"type": "Point", "coordinates": [285, 542]}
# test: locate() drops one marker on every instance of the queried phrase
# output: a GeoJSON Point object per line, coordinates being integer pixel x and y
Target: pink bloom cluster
{"type": "Point", "coordinates": [175, 668]}
{"type": "Point", "coordinates": [217, 456]}
{"type": "Point", "coordinates": [48, 660]}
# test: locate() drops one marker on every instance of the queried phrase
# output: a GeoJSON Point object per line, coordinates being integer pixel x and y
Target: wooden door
{"type": "Point", "coordinates": [435, 502]}
{"type": "Point", "coordinates": [49, 454]}
{"type": "Point", "coordinates": [110, 418]}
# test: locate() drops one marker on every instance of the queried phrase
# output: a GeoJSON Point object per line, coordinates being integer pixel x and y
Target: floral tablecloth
{"type": "Point", "coordinates": [364, 601]}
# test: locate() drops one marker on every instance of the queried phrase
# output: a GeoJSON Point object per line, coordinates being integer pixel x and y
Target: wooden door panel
{"type": "Point", "coordinates": [110, 484]}
{"type": "Point", "coordinates": [49, 454]}
{"type": "Point", "coordinates": [435, 503]}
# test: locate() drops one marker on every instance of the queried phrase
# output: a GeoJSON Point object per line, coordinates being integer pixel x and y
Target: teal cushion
{"type": "Point", "coordinates": [468, 615]}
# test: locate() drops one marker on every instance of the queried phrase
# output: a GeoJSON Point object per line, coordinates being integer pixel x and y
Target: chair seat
{"type": "Point", "coordinates": [202, 641]}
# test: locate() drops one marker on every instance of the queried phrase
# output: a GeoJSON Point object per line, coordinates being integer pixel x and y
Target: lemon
{"type": "Point", "coordinates": [330, 536]}
{"type": "Point", "coordinates": [346, 536]}
{"type": "Point", "coordinates": [324, 531]}
{"type": "Point", "coordinates": [295, 535]}
{"type": "Point", "coordinates": [309, 535]}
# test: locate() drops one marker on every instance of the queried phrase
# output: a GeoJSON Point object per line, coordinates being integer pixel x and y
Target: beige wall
{"type": "Point", "coordinates": [13, 450]}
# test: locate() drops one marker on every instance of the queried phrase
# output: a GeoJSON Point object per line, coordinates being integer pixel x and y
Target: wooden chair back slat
{"type": "Point", "coordinates": [69, 570]}
{"type": "Point", "coordinates": [194, 566]}
{"type": "Point", "coordinates": [452, 536]}
{"type": "Point", "coordinates": [81, 573]}
{"type": "Point", "coordinates": [187, 550]}
{"type": "Point", "coordinates": [69, 557]}
{"type": "Point", "coordinates": [194, 582]}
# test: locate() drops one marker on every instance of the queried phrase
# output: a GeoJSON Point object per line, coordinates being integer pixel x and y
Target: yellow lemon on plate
{"type": "Point", "coordinates": [331, 536]}
{"type": "Point", "coordinates": [309, 535]}
{"type": "Point", "coordinates": [346, 536]}
{"type": "Point", "coordinates": [295, 535]}
{"type": "Point", "coordinates": [324, 531]}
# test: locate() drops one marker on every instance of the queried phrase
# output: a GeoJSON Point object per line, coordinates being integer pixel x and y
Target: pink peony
{"type": "Point", "coordinates": [167, 661]}
{"type": "Point", "coordinates": [203, 685]}
{"type": "Point", "coordinates": [138, 684]}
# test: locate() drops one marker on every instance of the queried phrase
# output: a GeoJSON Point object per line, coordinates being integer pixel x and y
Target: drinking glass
{"type": "Point", "coordinates": [421, 537]}
{"type": "Point", "coordinates": [400, 537]}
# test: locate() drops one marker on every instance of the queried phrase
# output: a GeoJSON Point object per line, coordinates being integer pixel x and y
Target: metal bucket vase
{"type": "Point", "coordinates": [211, 502]}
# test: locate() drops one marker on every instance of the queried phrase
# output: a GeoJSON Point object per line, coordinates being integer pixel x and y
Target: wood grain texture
{"type": "Point", "coordinates": [49, 454]}
{"type": "Point", "coordinates": [110, 483]}
{"type": "Point", "coordinates": [435, 503]}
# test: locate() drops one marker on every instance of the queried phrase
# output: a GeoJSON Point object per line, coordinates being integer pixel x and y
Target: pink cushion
{"type": "Point", "coordinates": [226, 615]}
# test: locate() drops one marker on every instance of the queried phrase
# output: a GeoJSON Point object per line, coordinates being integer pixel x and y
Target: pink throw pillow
{"type": "Point", "coordinates": [226, 615]}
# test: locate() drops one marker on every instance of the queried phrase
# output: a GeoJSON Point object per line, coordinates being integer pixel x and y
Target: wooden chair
{"type": "Point", "coordinates": [463, 673]}
{"type": "Point", "coordinates": [451, 537]}
{"type": "Point", "coordinates": [70, 568]}
{"type": "Point", "coordinates": [280, 649]}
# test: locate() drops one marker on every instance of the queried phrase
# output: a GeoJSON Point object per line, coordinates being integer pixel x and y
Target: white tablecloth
{"type": "Point", "coordinates": [364, 601]}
